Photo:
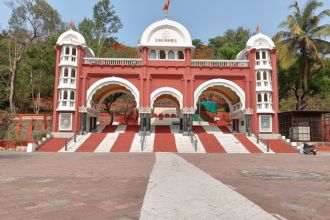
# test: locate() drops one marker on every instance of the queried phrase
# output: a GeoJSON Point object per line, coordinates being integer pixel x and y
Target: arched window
{"type": "Point", "coordinates": [258, 76]}
{"type": "Point", "coordinates": [67, 50]}
{"type": "Point", "coordinates": [72, 95]}
{"type": "Point", "coordinates": [171, 55]}
{"type": "Point", "coordinates": [152, 55]}
{"type": "Point", "coordinates": [74, 51]}
{"type": "Point", "coordinates": [259, 98]}
{"type": "Point", "coordinates": [265, 75]}
{"type": "Point", "coordinates": [257, 55]}
{"type": "Point", "coordinates": [73, 73]}
{"type": "Point", "coordinates": [65, 95]}
{"type": "Point", "coordinates": [66, 72]}
{"type": "Point", "coordinates": [181, 55]}
{"type": "Point", "coordinates": [162, 55]}
{"type": "Point", "coordinates": [265, 97]}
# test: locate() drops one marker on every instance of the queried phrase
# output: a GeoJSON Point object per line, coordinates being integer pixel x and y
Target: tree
{"type": "Point", "coordinates": [302, 41]}
{"type": "Point", "coordinates": [30, 21]}
{"type": "Point", "coordinates": [101, 28]}
{"type": "Point", "coordinates": [230, 43]}
{"type": "Point", "coordinates": [108, 101]}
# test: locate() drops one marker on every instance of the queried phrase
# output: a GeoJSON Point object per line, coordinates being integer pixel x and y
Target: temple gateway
{"type": "Point", "coordinates": [168, 86]}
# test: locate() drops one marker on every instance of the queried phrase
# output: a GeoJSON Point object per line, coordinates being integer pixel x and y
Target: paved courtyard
{"type": "Point", "coordinates": [164, 186]}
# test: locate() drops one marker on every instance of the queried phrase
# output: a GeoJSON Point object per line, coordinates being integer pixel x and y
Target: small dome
{"type": "Point", "coordinates": [71, 37]}
{"type": "Point", "coordinates": [260, 41]}
{"type": "Point", "coordinates": [166, 33]}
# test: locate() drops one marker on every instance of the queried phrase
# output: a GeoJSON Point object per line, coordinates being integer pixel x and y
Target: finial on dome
{"type": "Point", "coordinates": [71, 24]}
{"type": "Point", "coordinates": [258, 29]}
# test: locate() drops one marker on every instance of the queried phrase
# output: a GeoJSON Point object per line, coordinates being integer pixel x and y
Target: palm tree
{"type": "Point", "coordinates": [303, 40]}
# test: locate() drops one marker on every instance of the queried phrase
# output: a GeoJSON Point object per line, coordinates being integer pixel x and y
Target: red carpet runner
{"type": "Point", "coordinates": [92, 142]}
{"type": "Point", "coordinates": [125, 140]}
{"type": "Point", "coordinates": [279, 146]}
{"type": "Point", "coordinates": [53, 145]}
{"type": "Point", "coordinates": [164, 140]}
{"type": "Point", "coordinates": [224, 129]}
{"type": "Point", "coordinates": [247, 143]}
{"type": "Point", "coordinates": [110, 129]}
{"type": "Point", "coordinates": [210, 143]}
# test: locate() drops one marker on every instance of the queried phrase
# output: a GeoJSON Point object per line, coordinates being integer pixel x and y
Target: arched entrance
{"type": "Point", "coordinates": [109, 100]}
{"type": "Point", "coordinates": [222, 102]}
{"type": "Point", "coordinates": [166, 105]}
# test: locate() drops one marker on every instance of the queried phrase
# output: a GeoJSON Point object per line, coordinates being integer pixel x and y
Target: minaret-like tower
{"type": "Point", "coordinates": [66, 81]}
{"type": "Point", "coordinates": [265, 81]}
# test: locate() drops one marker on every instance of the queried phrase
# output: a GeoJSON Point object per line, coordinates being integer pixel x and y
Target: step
{"type": "Point", "coordinates": [225, 130]}
{"type": "Point", "coordinates": [164, 140]}
{"type": "Point", "coordinates": [75, 145]}
{"type": "Point", "coordinates": [230, 143]}
{"type": "Point", "coordinates": [279, 146]}
{"type": "Point", "coordinates": [212, 129]}
{"type": "Point", "coordinates": [260, 145]}
{"type": "Point", "coordinates": [247, 143]}
{"type": "Point", "coordinates": [184, 145]}
{"type": "Point", "coordinates": [53, 145]}
{"type": "Point", "coordinates": [123, 142]}
{"type": "Point", "coordinates": [107, 143]}
{"type": "Point", "coordinates": [92, 142]}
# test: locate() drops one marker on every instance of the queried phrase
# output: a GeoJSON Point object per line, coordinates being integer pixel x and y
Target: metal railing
{"type": "Point", "coordinates": [143, 138]}
{"type": "Point", "coordinates": [193, 140]}
{"type": "Point", "coordinates": [220, 63]}
{"type": "Point", "coordinates": [113, 61]}
{"type": "Point", "coordinates": [73, 139]}
{"type": "Point", "coordinates": [260, 141]}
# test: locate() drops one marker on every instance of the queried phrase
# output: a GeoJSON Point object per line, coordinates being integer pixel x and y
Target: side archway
{"type": "Point", "coordinates": [112, 81]}
{"type": "Point", "coordinates": [220, 82]}
{"type": "Point", "coordinates": [166, 91]}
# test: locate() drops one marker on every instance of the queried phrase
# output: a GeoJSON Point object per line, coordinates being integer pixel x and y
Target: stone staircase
{"type": "Point", "coordinates": [107, 143]}
{"type": "Point", "coordinates": [230, 143]}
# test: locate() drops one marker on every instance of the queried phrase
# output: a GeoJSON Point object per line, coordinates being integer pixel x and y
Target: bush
{"type": "Point", "coordinates": [38, 134]}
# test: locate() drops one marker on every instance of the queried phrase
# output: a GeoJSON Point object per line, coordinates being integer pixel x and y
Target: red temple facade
{"type": "Point", "coordinates": [166, 70]}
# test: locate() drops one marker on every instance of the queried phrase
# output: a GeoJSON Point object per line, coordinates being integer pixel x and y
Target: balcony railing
{"type": "Point", "coordinates": [113, 61]}
{"type": "Point", "coordinates": [220, 63]}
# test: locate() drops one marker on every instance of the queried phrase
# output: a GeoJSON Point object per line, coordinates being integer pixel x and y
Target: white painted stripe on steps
{"type": "Point", "coordinates": [211, 129]}
{"type": "Point", "coordinates": [107, 143]}
{"type": "Point", "coordinates": [121, 129]}
{"type": "Point", "coordinates": [148, 145]}
{"type": "Point", "coordinates": [184, 145]}
{"type": "Point", "coordinates": [75, 145]}
{"type": "Point", "coordinates": [230, 143]}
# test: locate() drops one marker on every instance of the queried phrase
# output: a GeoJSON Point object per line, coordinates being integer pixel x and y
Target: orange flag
{"type": "Point", "coordinates": [167, 5]}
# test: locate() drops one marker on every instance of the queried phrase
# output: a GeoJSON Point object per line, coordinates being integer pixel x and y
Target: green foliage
{"type": "Point", "coordinates": [303, 40]}
{"type": "Point", "coordinates": [230, 43]}
{"type": "Point", "coordinates": [100, 29]}
{"type": "Point", "coordinates": [38, 134]}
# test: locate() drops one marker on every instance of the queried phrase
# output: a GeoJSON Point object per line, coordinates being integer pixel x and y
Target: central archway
{"type": "Point", "coordinates": [166, 91]}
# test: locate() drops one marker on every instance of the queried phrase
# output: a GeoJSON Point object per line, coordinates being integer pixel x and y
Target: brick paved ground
{"type": "Point", "coordinates": [291, 185]}
{"type": "Point", "coordinates": [73, 186]}
{"type": "Point", "coordinates": [112, 186]}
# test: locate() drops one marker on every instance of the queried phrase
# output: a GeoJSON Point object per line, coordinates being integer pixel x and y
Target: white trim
{"type": "Point", "coordinates": [271, 124]}
{"type": "Point", "coordinates": [220, 82]}
{"type": "Point", "coordinates": [166, 90]}
{"type": "Point", "coordinates": [112, 81]}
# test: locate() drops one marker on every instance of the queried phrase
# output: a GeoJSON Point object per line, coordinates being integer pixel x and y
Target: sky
{"type": "Point", "coordinates": [204, 19]}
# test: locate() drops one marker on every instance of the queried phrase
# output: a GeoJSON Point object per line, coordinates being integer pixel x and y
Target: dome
{"type": "Point", "coordinates": [71, 37]}
{"type": "Point", "coordinates": [260, 41]}
{"type": "Point", "coordinates": [166, 33]}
